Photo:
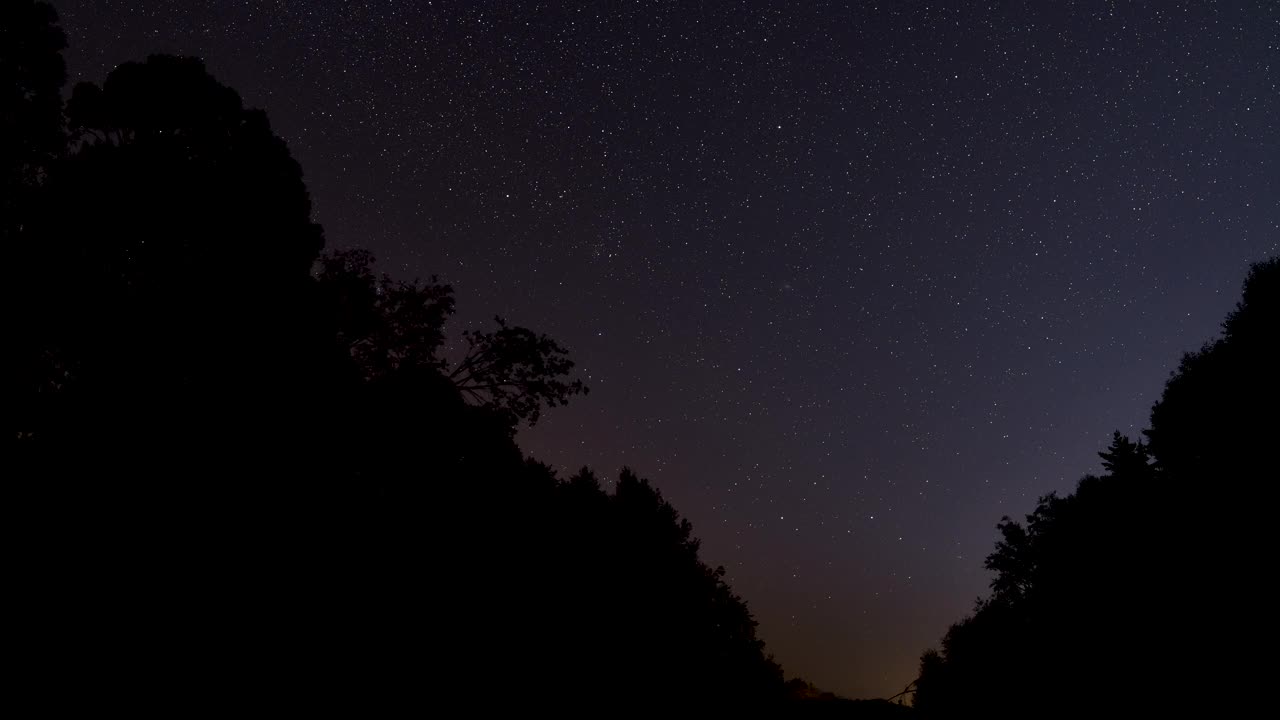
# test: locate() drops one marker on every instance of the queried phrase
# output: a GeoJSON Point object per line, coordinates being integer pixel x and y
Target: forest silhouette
{"type": "Point", "coordinates": [1145, 591]}
{"type": "Point", "coordinates": [244, 471]}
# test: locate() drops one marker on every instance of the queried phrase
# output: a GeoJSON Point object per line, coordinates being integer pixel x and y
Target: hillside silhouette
{"type": "Point", "coordinates": [244, 472]}
{"type": "Point", "coordinates": [1143, 592]}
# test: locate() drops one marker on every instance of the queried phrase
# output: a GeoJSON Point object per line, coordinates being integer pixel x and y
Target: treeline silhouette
{"type": "Point", "coordinates": [1148, 591]}
{"type": "Point", "coordinates": [244, 473]}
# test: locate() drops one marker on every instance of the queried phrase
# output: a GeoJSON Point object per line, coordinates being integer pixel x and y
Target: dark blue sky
{"type": "Point", "coordinates": [849, 282]}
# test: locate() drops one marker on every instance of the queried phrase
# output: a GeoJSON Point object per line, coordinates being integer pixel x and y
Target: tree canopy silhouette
{"type": "Point", "coordinates": [180, 231]}
{"type": "Point", "coordinates": [248, 469]}
{"type": "Point", "coordinates": [392, 326]}
{"type": "Point", "coordinates": [1139, 592]}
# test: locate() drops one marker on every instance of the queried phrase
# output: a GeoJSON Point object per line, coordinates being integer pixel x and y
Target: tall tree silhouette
{"type": "Point", "coordinates": [1212, 417]}
{"type": "Point", "coordinates": [1210, 437]}
{"type": "Point", "coordinates": [183, 268]}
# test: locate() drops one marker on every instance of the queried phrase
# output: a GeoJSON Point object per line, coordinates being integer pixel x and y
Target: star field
{"type": "Point", "coordinates": [848, 283]}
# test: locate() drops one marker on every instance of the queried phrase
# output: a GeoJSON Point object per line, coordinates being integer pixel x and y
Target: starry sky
{"type": "Point", "coordinates": [849, 282]}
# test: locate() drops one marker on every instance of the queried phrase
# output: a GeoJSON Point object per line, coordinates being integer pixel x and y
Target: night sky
{"type": "Point", "coordinates": [848, 283]}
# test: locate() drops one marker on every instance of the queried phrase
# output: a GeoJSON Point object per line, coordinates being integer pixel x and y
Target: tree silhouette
{"type": "Point", "coordinates": [637, 619]}
{"type": "Point", "coordinates": [182, 244]}
{"type": "Point", "coordinates": [1210, 439]}
{"type": "Point", "coordinates": [516, 371]}
{"type": "Point", "coordinates": [247, 470]}
{"type": "Point", "coordinates": [1139, 592]}
{"type": "Point", "coordinates": [1212, 416]}
{"type": "Point", "coordinates": [386, 325]}
{"type": "Point", "coordinates": [390, 326]}
{"type": "Point", "coordinates": [168, 131]}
